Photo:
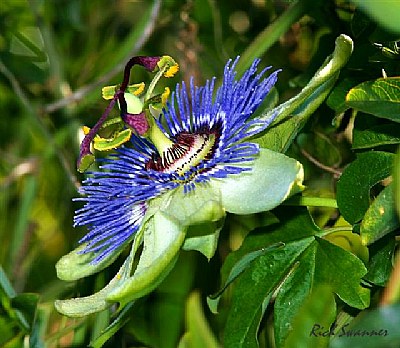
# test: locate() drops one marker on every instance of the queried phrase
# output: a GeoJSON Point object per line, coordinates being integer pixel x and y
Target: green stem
{"type": "Point", "coordinates": [271, 34]}
{"type": "Point", "coordinates": [330, 230]}
{"type": "Point", "coordinates": [311, 202]}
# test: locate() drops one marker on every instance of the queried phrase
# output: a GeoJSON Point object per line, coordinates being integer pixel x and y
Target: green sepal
{"type": "Point", "coordinates": [201, 205]}
{"type": "Point", "coordinates": [78, 307]}
{"type": "Point", "coordinates": [82, 306]}
{"type": "Point", "coordinates": [201, 210]}
{"type": "Point", "coordinates": [105, 144]}
{"type": "Point", "coordinates": [273, 178]}
{"type": "Point", "coordinates": [163, 238]}
{"type": "Point", "coordinates": [204, 238]}
{"type": "Point", "coordinates": [76, 265]}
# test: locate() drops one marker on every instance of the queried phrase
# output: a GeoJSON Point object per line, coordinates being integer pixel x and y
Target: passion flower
{"type": "Point", "coordinates": [189, 166]}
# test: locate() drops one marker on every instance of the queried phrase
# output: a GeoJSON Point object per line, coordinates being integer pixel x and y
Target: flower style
{"type": "Point", "coordinates": [189, 166]}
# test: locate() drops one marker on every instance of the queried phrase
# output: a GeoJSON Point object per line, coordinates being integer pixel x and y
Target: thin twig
{"type": "Point", "coordinates": [335, 172]}
{"type": "Point", "coordinates": [84, 90]}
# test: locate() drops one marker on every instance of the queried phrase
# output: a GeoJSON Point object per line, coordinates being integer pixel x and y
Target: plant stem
{"type": "Point", "coordinates": [312, 202]}
{"type": "Point", "coordinates": [330, 230]}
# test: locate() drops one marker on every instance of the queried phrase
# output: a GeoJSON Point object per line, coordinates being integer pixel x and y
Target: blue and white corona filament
{"type": "Point", "coordinates": [201, 138]}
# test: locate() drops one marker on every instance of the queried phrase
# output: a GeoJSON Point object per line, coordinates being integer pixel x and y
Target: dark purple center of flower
{"type": "Point", "coordinates": [188, 150]}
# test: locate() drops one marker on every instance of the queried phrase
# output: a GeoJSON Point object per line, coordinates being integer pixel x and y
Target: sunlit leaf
{"type": "Point", "coordinates": [380, 218]}
{"type": "Point", "coordinates": [380, 98]}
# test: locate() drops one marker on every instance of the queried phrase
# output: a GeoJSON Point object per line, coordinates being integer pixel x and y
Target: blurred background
{"type": "Point", "coordinates": [54, 58]}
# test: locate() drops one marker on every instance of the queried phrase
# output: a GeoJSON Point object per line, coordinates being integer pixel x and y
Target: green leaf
{"type": "Point", "coordinates": [6, 285]}
{"type": "Point", "coordinates": [294, 113]}
{"type": "Point", "coordinates": [314, 318]}
{"type": "Point", "coordinates": [380, 98]}
{"type": "Point", "coordinates": [342, 271]}
{"type": "Point", "coordinates": [321, 264]}
{"type": "Point", "coordinates": [337, 97]}
{"type": "Point", "coordinates": [237, 269]}
{"type": "Point", "coordinates": [273, 177]}
{"type": "Point", "coordinates": [304, 262]}
{"type": "Point", "coordinates": [370, 134]}
{"type": "Point", "coordinates": [352, 193]}
{"type": "Point", "coordinates": [396, 181]}
{"type": "Point", "coordinates": [380, 218]}
{"type": "Point", "coordinates": [163, 238]}
{"type": "Point", "coordinates": [198, 332]}
{"type": "Point", "coordinates": [40, 325]}
{"type": "Point", "coordinates": [10, 293]}
{"type": "Point", "coordinates": [380, 263]}
{"type": "Point", "coordinates": [292, 294]}
{"type": "Point", "coordinates": [26, 303]}
{"type": "Point", "coordinates": [351, 242]}
{"type": "Point", "coordinates": [385, 134]}
{"type": "Point", "coordinates": [258, 240]}
{"type": "Point", "coordinates": [371, 329]}
{"type": "Point", "coordinates": [254, 285]}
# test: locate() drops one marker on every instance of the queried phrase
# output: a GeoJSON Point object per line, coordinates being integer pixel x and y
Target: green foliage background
{"type": "Point", "coordinates": [54, 58]}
